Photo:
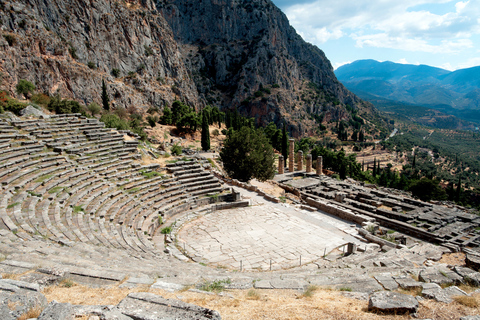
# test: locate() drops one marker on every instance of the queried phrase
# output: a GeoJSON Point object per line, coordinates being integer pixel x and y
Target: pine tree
{"type": "Point", "coordinates": [285, 144]}
{"type": "Point", "coordinates": [105, 98]}
{"type": "Point", "coordinates": [205, 133]}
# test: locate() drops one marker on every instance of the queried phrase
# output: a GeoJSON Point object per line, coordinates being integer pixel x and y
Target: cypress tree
{"type": "Point", "coordinates": [374, 167]}
{"type": "Point", "coordinates": [284, 144]}
{"type": "Point", "coordinates": [459, 190]}
{"type": "Point", "coordinates": [105, 98]}
{"type": "Point", "coordinates": [361, 136]}
{"type": "Point", "coordinates": [205, 133]}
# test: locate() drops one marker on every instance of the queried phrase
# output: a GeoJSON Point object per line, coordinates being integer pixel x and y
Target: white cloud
{"type": "Point", "coordinates": [337, 65]}
{"type": "Point", "coordinates": [472, 62]}
{"type": "Point", "coordinates": [389, 23]}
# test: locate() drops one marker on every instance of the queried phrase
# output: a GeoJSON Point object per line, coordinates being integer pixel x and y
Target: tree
{"type": "Point", "coordinates": [94, 108]}
{"type": "Point", "coordinates": [427, 189]}
{"type": "Point", "coordinates": [105, 98]}
{"type": "Point", "coordinates": [205, 133]}
{"type": "Point", "coordinates": [167, 116]}
{"type": "Point", "coordinates": [25, 87]}
{"type": "Point", "coordinates": [285, 144]}
{"type": "Point", "coordinates": [247, 154]}
{"type": "Point", "coordinates": [361, 136]}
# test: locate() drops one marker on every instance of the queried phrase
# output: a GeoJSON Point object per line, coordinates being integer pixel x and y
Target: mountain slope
{"type": "Point", "coordinates": [237, 48]}
{"type": "Point", "coordinates": [456, 93]}
{"type": "Point", "coordinates": [68, 47]}
{"type": "Point", "coordinates": [231, 53]}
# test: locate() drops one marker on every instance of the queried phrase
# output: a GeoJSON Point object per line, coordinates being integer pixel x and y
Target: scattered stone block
{"type": "Point", "coordinates": [148, 306]}
{"type": "Point", "coordinates": [387, 282]}
{"type": "Point", "coordinates": [15, 301]}
{"type": "Point", "coordinates": [392, 302]}
{"type": "Point", "coordinates": [434, 291]}
{"type": "Point", "coordinates": [473, 262]}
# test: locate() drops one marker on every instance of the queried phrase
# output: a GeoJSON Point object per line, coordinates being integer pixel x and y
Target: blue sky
{"type": "Point", "coordinates": [439, 33]}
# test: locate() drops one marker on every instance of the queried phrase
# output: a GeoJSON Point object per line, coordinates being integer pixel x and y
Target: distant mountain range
{"type": "Point", "coordinates": [452, 92]}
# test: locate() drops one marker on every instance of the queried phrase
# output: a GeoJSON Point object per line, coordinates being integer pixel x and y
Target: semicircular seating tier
{"type": "Point", "coordinates": [69, 179]}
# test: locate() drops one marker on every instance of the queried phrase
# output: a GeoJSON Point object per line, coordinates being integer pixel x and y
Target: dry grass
{"type": "Point", "coordinates": [32, 313]}
{"type": "Point", "coordinates": [454, 259]}
{"type": "Point", "coordinates": [263, 304]}
{"type": "Point", "coordinates": [11, 276]}
{"type": "Point", "coordinates": [468, 301]}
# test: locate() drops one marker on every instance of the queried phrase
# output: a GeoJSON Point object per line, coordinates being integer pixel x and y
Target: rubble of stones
{"type": "Point", "coordinates": [453, 227]}
{"type": "Point", "coordinates": [20, 298]}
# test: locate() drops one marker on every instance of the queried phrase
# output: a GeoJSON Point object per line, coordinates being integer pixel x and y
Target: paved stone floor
{"type": "Point", "coordinates": [265, 232]}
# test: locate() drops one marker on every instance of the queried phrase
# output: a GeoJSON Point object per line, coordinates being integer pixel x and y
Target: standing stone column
{"type": "Point", "coordinates": [319, 165]}
{"type": "Point", "coordinates": [300, 160]}
{"type": "Point", "coordinates": [291, 156]}
{"type": "Point", "coordinates": [281, 168]}
{"type": "Point", "coordinates": [308, 168]}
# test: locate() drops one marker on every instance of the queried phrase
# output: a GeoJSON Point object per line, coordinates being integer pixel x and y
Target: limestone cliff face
{"type": "Point", "coordinates": [234, 48]}
{"type": "Point", "coordinates": [68, 47]}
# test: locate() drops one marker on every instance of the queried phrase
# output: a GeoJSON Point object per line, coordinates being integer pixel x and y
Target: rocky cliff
{"type": "Point", "coordinates": [231, 53]}
{"type": "Point", "coordinates": [68, 47]}
{"type": "Point", "coordinates": [245, 54]}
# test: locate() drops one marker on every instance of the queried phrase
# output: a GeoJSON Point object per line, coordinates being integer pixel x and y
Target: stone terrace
{"type": "Point", "coordinates": [71, 180]}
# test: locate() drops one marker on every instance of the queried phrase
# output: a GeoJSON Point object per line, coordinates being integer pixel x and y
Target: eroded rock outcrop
{"type": "Point", "coordinates": [246, 54]}
{"type": "Point", "coordinates": [68, 47]}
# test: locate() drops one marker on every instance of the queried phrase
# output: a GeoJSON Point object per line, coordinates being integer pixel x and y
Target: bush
{"type": "Point", "coordinates": [14, 106]}
{"type": "Point", "coordinates": [113, 121]}
{"type": "Point", "coordinates": [65, 106]}
{"type": "Point", "coordinates": [176, 150]}
{"type": "Point", "coordinates": [152, 121]}
{"type": "Point", "coordinates": [94, 108]}
{"type": "Point", "coordinates": [41, 99]}
{"type": "Point", "coordinates": [224, 132]}
{"type": "Point", "coordinates": [116, 72]}
{"type": "Point", "coordinates": [91, 65]}
{"type": "Point", "coordinates": [215, 132]}
{"type": "Point", "coordinates": [25, 87]}
{"type": "Point", "coordinates": [73, 52]}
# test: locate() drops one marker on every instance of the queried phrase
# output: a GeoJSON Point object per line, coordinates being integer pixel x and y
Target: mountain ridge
{"type": "Point", "coordinates": [453, 92]}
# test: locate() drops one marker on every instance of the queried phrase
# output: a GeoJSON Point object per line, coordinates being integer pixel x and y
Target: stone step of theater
{"type": "Point", "coordinates": [70, 180]}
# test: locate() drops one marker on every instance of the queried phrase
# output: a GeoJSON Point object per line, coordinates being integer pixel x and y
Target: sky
{"type": "Point", "coordinates": [439, 33]}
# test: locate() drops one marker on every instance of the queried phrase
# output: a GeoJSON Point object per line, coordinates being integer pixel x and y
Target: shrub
{"type": "Point", "coordinates": [91, 65]}
{"type": "Point", "coordinates": [176, 150]}
{"type": "Point", "coordinates": [94, 108]}
{"type": "Point", "coordinates": [152, 121]}
{"type": "Point", "coordinates": [24, 87]}
{"type": "Point", "coordinates": [14, 106]}
{"type": "Point", "coordinates": [113, 121]}
{"type": "Point", "coordinates": [148, 51]}
{"type": "Point", "coordinates": [215, 132]}
{"type": "Point", "coordinates": [166, 230]}
{"type": "Point", "coordinates": [121, 112]}
{"type": "Point", "coordinates": [41, 99]}
{"type": "Point", "coordinates": [73, 52]}
{"type": "Point", "coordinates": [64, 106]}
{"type": "Point", "coordinates": [116, 72]}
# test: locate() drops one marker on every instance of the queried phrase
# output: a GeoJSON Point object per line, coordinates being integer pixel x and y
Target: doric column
{"type": "Point", "coordinates": [308, 169]}
{"type": "Point", "coordinates": [291, 156]}
{"type": "Point", "coordinates": [281, 168]}
{"type": "Point", "coordinates": [319, 165]}
{"type": "Point", "coordinates": [300, 160]}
